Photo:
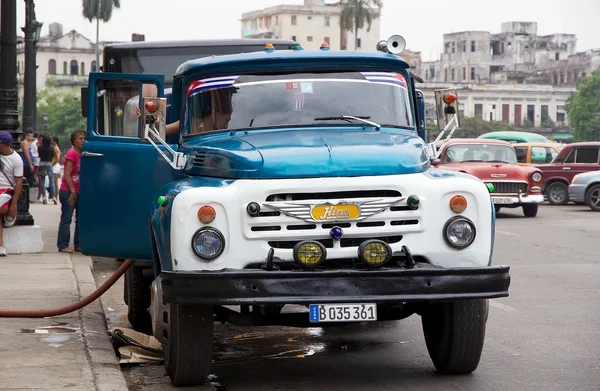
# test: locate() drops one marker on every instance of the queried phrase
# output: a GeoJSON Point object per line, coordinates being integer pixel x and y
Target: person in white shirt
{"type": "Point", "coordinates": [11, 184]}
{"type": "Point", "coordinates": [36, 162]}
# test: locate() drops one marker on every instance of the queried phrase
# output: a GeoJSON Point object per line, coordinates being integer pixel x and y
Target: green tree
{"type": "Point", "coordinates": [64, 113]}
{"type": "Point", "coordinates": [583, 108]}
{"type": "Point", "coordinates": [356, 13]}
{"type": "Point", "coordinates": [101, 10]}
{"type": "Point", "coordinates": [472, 127]}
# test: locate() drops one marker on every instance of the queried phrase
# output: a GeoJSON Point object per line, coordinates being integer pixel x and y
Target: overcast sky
{"type": "Point", "coordinates": [421, 22]}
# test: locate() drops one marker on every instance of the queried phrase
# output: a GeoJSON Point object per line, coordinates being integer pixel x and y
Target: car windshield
{"type": "Point", "coordinates": [301, 99]}
{"type": "Point", "coordinates": [461, 153]}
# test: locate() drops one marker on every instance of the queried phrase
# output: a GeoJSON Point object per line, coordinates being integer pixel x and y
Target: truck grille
{"type": "Point", "coordinates": [509, 187]}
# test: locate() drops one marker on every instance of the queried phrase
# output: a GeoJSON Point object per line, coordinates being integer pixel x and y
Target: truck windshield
{"type": "Point", "coordinates": [301, 99]}
{"type": "Point", "coordinates": [463, 153]}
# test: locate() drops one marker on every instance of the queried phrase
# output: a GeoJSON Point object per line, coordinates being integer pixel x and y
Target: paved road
{"type": "Point", "coordinates": [545, 336]}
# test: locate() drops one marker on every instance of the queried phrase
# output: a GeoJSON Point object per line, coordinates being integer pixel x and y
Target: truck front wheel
{"type": "Point", "coordinates": [454, 334]}
{"type": "Point", "coordinates": [188, 344]}
{"type": "Point", "coordinates": [137, 297]}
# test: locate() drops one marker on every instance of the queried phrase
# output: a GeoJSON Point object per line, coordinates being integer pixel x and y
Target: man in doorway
{"type": "Point", "coordinates": [11, 184]}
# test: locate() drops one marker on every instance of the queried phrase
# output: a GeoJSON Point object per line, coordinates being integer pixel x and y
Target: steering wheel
{"type": "Point", "coordinates": [367, 103]}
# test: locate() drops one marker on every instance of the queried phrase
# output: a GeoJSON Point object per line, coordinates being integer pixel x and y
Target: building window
{"type": "Point", "coordinates": [294, 20]}
{"type": "Point", "coordinates": [426, 74]}
{"type": "Point", "coordinates": [327, 21]}
{"type": "Point", "coordinates": [453, 48]}
{"type": "Point", "coordinates": [472, 46]}
{"type": "Point", "coordinates": [464, 73]}
{"type": "Point", "coordinates": [445, 75]}
{"type": "Point", "coordinates": [478, 109]}
{"type": "Point", "coordinates": [531, 113]}
{"type": "Point", "coordinates": [74, 67]}
{"type": "Point", "coordinates": [309, 38]}
{"type": "Point", "coordinates": [557, 56]}
{"type": "Point", "coordinates": [93, 67]}
{"type": "Point", "coordinates": [432, 71]}
{"type": "Point", "coordinates": [452, 74]}
{"type": "Point", "coordinates": [326, 40]}
{"type": "Point", "coordinates": [472, 73]}
{"type": "Point", "coordinates": [83, 68]}
{"type": "Point", "coordinates": [276, 20]}
{"type": "Point", "coordinates": [52, 67]}
{"type": "Point", "coordinates": [310, 18]}
{"type": "Point", "coordinates": [64, 68]}
{"type": "Point", "coordinates": [464, 46]}
{"type": "Point", "coordinates": [359, 43]}
{"type": "Point", "coordinates": [293, 38]}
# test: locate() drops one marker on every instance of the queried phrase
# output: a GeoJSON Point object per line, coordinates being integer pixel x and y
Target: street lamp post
{"type": "Point", "coordinates": [32, 31]}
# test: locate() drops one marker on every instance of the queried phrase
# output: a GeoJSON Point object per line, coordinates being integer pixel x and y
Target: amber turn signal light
{"type": "Point", "coordinates": [458, 204]}
{"type": "Point", "coordinates": [207, 214]}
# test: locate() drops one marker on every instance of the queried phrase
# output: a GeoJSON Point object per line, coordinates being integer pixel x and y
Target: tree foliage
{"type": "Point", "coordinates": [356, 13]}
{"type": "Point", "coordinates": [99, 9]}
{"type": "Point", "coordinates": [471, 127]}
{"type": "Point", "coordinates": [583, 108]}
{"type": "Point", "coordinates": [64, 113]}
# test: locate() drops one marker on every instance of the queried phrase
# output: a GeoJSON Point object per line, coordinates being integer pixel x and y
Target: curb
{"type": "Point", "coordinates": [99, 351]}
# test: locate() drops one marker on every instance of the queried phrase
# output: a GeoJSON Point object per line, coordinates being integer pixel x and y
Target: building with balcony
{"type": "Point", "coordinates": [309, 24]}
{"type": "Point", "coordinates": [64, 59]}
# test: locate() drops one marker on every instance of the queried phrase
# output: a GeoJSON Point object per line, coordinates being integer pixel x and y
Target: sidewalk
{"type": "Point", "coordinates": [71, 351]}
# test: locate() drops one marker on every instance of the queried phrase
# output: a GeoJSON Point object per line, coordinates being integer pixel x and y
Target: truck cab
{"type": "Point", "coordinates": [296, 177]}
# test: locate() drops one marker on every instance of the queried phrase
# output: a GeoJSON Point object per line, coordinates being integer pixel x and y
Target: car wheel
{"type": "Point", "coordinates": [592, 198]}
{"type": "Point", "coordinates": [530, 210]}
{"type": "Point", "coordinates": [454, 334]}
{"type": "Point", "coordinates": [557, 193]}
{"type": "Point", "coordinates": [137, 291]}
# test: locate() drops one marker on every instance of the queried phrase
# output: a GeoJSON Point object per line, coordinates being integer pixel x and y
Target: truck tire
{"type": "Point", "coordinates": [137, 293]}
{"type": "Point", "coordinates": [454, 334]}
{"type": "Point", "coordinates": [188, 345]}
{"type": "Point", "coordinates": [530, 210]}
{"type": "Point", "coordinates": [592, 197]}
{"type": "Point", "coordinates": [557, 193]}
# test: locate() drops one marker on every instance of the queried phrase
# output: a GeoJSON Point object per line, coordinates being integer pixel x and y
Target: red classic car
{"type": "Point", "coordinates": [495, 162]}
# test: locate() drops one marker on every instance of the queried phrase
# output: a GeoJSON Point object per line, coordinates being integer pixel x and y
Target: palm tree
{"type": "Point", "coordinates": [355, 13]}
{"type": "Point", "coordinates": [99, 10]}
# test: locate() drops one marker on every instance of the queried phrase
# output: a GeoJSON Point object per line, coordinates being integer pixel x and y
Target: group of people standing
{"type": "Point", "coordinates": [41, 156]}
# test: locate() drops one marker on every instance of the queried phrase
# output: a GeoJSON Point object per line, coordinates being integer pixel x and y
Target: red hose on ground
{"type": "Point", "coordinates": [71, 307]}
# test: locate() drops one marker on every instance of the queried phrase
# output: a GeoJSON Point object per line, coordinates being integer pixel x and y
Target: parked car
{"type": "Point", "coordinates": [515, 137]}
{"type": "Point", "coordinates": [585, 188]}
{"type": "Point", "coordinates": [536, 153]}
{"type": "Point", "coordinates": [573, 159]}
{"type": "Point", "coordinates": [495, 162]}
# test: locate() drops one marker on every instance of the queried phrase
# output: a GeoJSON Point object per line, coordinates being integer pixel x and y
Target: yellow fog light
{"type": "Point", "coordinates": [458, 204]}
{"type": "Point", "coordinates": [375, 253]}
{"type": "Point", "coordinates": [309, 254]}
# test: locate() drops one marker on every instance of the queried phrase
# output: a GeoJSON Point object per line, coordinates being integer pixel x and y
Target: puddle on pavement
{"type": "Point", "coordinates": [56, 335]}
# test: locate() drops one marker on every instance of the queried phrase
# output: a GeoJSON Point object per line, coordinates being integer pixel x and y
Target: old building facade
{"type": "Point", "coordinates": [309, 24]}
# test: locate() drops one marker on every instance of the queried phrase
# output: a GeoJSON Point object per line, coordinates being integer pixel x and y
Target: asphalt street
{"type": "Point", "coordinates": [545, 336]}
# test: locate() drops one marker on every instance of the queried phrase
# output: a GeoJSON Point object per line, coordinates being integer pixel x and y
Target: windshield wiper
{"type": "Point", "coordinates": [349, 118]}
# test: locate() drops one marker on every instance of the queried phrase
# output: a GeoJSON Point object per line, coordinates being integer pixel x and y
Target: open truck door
{"type": "Point", "coordinates": [120, 173]}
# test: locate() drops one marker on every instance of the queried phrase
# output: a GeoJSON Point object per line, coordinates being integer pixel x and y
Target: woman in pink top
{"type": "Point", "coordinates": [69, 191]}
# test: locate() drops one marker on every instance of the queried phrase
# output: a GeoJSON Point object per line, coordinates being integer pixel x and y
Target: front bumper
{"type": "Point", "coordinates": [577, 193]}
{"type": "Point", "coordinates": [519, 199]}
{"type": "Point", "coordinates": [423, 283]}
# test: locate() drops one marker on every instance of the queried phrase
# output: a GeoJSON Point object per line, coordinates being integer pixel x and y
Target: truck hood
{"type": "Point", "coordinates": [492, 171]}
{"type": "Point", "coordinates": [305, 153]}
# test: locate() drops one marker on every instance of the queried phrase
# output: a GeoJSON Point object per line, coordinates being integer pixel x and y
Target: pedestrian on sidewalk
{"type": "Point", "coordinates": [27, 157]}
{"type": "Point", "coordinates": [46, 152]}
{"type": "Point", "coordinates": [36, 162]}
{"type": "Point", "coordinates": [11, 183]}
{"type": "Point", "coordinates": [56, 166]}
{"type": "Point", "coordinates": [68, 194]}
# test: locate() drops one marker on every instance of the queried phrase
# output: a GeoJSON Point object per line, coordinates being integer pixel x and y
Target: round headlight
{"type": "Point", "coordinates": [537, 176]}
{"type": "Point", "coordinates": [309, 254]}
{"type": "Point", "coordinates": [375, 253]}
{"type": "Point", "coordinates": [459, 232]}
{"type": "Point", "coordinates": [208, 243]}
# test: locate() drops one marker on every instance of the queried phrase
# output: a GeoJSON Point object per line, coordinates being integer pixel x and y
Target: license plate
{"type": "Point", "coordinates": [505, 201]}
{"type": "Point", "coordinates": [343, 312]}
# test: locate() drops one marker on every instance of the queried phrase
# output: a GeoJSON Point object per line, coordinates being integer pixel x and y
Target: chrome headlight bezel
{"type": "Point", "coordinates": [449, 225]}
{"type": "Point", "coordinates": [205, 230]}
{"type": "Point", "coordinates": [538, 175]}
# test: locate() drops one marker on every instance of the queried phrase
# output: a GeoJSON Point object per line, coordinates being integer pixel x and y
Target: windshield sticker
{"type": "Point", "coordinates": [387, 78]}
{"type": "Point", "coordinates": [292, 86]}
{"type": "Point", "coordinates": [306, 88]}
{"type": "Point", "coordinates": [213, 82]}
{"type": "Point", "coordinates": [298, 102]}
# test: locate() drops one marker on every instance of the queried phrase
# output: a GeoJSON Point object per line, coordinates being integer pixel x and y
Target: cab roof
{"type": "Point", "coordinates": [197, 43]}
{"type": "Point", "coordinates": [477, 141]}
{"type": "Point", "coordinates": [294, 57]}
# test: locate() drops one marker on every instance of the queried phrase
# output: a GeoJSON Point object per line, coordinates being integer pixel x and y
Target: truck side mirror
{"type": "Point", "coordinates": [84, 102]}
{"type": "Point", "coordinates": [421, 128]}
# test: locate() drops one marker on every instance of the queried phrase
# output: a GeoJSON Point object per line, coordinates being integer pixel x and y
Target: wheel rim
{"type": "Point", "coordinates": [595, 198]}
{"type": "Point", "coordinates": [557, 194]}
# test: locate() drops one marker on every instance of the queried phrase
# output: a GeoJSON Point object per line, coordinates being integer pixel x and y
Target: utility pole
{"type": "Point", "coordinates": [32, 36]}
